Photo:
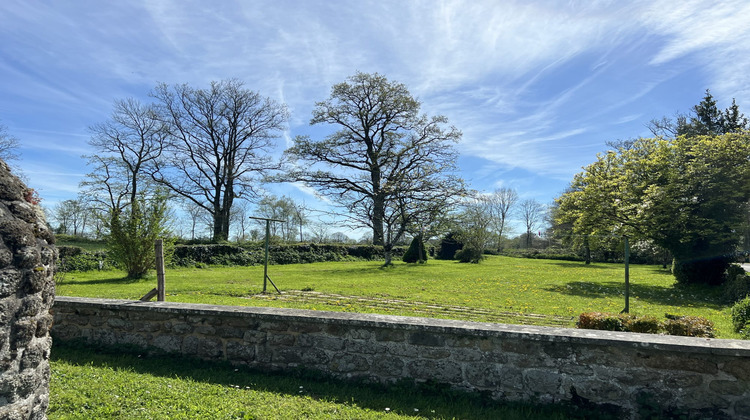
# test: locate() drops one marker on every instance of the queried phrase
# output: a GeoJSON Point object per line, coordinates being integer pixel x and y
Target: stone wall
{"type": "Point", "coordinates": [27, 257]}
{"type": "Point", "coordinates": [637, 374]}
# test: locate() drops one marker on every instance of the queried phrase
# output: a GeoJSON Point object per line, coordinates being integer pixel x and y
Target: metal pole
{"type": "Point", "coordinates": [627, 276]}
{"type": "Point", "coordinates": [265, 263]}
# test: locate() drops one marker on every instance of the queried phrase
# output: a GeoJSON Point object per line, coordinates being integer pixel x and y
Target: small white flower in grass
{"type": "Point", "coordinates": [416, 410]}
{"type": "Point", "coordinates": [387, 409]}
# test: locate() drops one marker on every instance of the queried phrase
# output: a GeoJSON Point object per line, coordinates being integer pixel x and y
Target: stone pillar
{"type": "Point", "coordinates": [27, 291]}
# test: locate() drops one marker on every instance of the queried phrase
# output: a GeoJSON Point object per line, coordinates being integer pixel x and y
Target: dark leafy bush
{"type": "Point", "coordinates": [741, 317]}
{"type": "Point", "coordinates": [416, 251]}
{"type": "Point", "coordinates": [642, 324]}
{"type": "Point", "coordinates": [600, 321]}
{"type": "Point", "coordinates": [449, 246]}
{"type": "Point", "coordinates": [689, 326]}
{"type": "Point", "coordinates": [737, 285]}
{"type": "Point", "coordinates": [701, 270]}
{"type": "Point", "coordinates": [469, 255]}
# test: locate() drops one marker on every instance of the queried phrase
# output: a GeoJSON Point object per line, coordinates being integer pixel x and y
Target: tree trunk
{"type": "Point", "coordinates": [587, 249]}
{"type": "Point", "coordinates": [378, 214]}
{"type": "Point", "coordinates": [387, 252]}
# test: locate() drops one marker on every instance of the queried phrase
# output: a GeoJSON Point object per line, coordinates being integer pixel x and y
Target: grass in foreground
{"type": "Point", "coordinates": [500, 289]}
{"type": "Point", "coordinates": [101, 385]}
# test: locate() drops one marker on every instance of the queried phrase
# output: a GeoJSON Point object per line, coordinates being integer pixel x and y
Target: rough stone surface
{"type": "Point", "coordinates": [27, 258]}
{"type": "Point", "coordinates": [637, 375]}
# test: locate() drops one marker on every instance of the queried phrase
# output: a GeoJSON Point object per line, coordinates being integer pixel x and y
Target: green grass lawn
{"type": "Point", "coordinates": [500, 289]}
{"type": "Point", "coordinates": [88, 384]}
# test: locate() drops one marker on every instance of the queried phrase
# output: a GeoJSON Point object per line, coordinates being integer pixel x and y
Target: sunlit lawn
{"type": "Point", "coordinates": [498, 284]}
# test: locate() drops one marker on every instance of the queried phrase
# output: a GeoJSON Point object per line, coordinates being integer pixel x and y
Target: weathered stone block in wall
{"type": "Point", "coordinates": [422, 338]}
{"type": "Point", "coordinates": [370, 347]}
{"type": "Point", "coordinates": [345, 363]}
{"type": "Point", "coordinates": [239, 352]}
{"type": "Point", "coordinates": [382, 334]}
{"type": "Point", "coordinates": [387, 366]}
{"type": "Point", "coordinates": [297, 356]}
{"type": "Point", "coordinates": [168, 343]}
{"type": "Point", "coordinates": [740, 368]}
{"type": "Point", "coordinates": [678, 362]}
{"type": "Point", "coordinates": [438, 370]}
{"type": "Point", "coordinates": [484, 376]}
{"type": "Point", "coordinates": [320, 342]}
{"type": "Point", "coordinates": [304, 328]}
{"type": "Point", "coordinates": [730, 387]}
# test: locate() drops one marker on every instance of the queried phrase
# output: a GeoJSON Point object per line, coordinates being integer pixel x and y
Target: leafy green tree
{"type": "Point", "coordinates": [132, 234]}
{"type": "Point", "coordinates": [687, 195]}
{"type": "Point", "coordinates": [386, 164]}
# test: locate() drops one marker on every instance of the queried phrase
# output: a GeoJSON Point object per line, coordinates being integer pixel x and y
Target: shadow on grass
{"type": "Point", "coordinates": [696, 295]}
{"type": "Point", "coordinates": [70, 279]}
{"type": "Point", "coordinates": [578, 264]}
{"type": "Point", "coordinates": [401, 398]}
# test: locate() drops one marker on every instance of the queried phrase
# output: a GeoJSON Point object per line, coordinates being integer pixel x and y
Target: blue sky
{"type": "Point", "coordinates": [537, 87]}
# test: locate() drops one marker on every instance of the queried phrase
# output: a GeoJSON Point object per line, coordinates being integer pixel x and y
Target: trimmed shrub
{"type": "Point", "coordinates": [642, 324]}
{"type": "Point", "coordinates": [600, 321]}
{"type": "Point", "coordinates": [741, 317]}
{"type": "Point", "coordinates": [689, 326]}
{"type": "Point", "coordinates": [449, 246]}
{"type": "Point", "coordinates": [416, 251]}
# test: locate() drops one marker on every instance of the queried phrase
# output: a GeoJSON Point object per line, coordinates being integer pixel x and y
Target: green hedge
{"type": "Point", "coordinates": [77, 259]}
{"type": "Point", "coordinates": [542, 254]}
{"type": "Point", "coordinates": [73, 258]}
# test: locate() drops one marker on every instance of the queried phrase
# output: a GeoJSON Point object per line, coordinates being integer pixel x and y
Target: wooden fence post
{"type": "Point", "coordinates": [159, 251]}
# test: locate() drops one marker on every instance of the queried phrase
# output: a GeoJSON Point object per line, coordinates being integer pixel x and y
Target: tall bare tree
{"type": "Point", "coordinates": [385, 162]}
{"type": "Point", "coordinates": [532, 214]}
{"type": "Point", "coordinates": [220, 139]}
{"type": "Point", "coordinates": [500, 205]}
{"type": "Point", "coordinates": [126, 148]}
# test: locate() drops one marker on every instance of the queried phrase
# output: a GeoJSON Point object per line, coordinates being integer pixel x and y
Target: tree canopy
{"type": "Point", "coordinates": [219, 143]}
{"type": "Point", "coordinates": [687, 195]}
{"type": "Point", "coordinates": [387, 165]}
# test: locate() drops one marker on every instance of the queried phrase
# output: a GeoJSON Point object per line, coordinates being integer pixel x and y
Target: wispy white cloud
{"type": "Point", "coordinates": [534, 86]}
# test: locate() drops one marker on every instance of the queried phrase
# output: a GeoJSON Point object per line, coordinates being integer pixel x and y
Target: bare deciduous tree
{"type": "Point", "coordinates": [532, 213]}
{"type": "Point", "coordinates": [500, 205]}
{"type": "Point", "coordinates": [220, 139]}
